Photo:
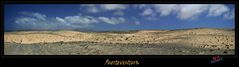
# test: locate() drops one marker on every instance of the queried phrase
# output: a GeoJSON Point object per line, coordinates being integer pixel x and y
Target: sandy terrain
{"type": "Point", "coordinates": [201, 41]}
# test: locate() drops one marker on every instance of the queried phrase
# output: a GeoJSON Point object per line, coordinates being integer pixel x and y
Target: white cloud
{"type": "Point", "coordinates": [113, 6]}
{"type": "Point", "coordinates": [229, 15]}
{"type": "Point", "coordinates": [137, 22]}
{"type": "Point", "coordinates": [150, 12]}
{"type": "Point", "coordinates": [92, 8]}
{"type": "Point", "coordinates": [183, 11]}
{"type": "Point", "coordinates": [60, 20]}
{"type": "Point", "coordinates": [119, 13]}
{"type": "Point", "coordinates": [31, 19]}
{"type": "Point", "coordinates": [147, 11]}
{"type": "Point", "coordinates": [34, 23]}
{"type": "Point", "coordinates": [41, 21]}
{"type": "Point", "coordinates": [70, 21]}
{"type": "Point", "coordinates": [40, 16]}
{"type": "Point", "coordinates": [189, 11]}
{"type": "Point", "coordinates": [96, 8]}
{"type": "Point", "coordinates": [112, 20]}
{"type": "Point", "coordinates": [217, 9]}
{"type": "Point", "coordinates": [165, 9]}
{"type": "Point", "coordinates": [141, 6]}
{"type": "Point", "coordinates": [80, 19]}
{"type": "Point", "coordinates": [36, 15]}
{"type": "Point", "coordinates": [26, 20]}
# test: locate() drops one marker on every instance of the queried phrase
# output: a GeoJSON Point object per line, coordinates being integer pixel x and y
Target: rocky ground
{"type": "Point", "coordinates": [200, 41]}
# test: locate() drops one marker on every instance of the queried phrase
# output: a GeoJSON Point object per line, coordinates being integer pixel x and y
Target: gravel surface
{"type": "Point", "coordinates": [94, 48]}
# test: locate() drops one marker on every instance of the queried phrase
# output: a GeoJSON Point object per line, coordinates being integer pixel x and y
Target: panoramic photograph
{"type": "Point", "coordinates": [119, 29]}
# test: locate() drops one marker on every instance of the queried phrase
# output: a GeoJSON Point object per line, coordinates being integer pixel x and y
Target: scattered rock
{"type": "Point", "coordinates": [228, 47]}
{"type": "Point", "coordinates": [61, 42]}
{"type": "Point", "coordinates": [126, 38]}
{"type": "Point", "coordinates": [225, 52]}
{"type": "Point", "coordinates": [201, 53]}
{"type": "Point", "coordinates": [214, 45]}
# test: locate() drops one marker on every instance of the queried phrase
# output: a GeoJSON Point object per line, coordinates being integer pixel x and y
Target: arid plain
{"type": "Point", "coordinates": [200, 41]}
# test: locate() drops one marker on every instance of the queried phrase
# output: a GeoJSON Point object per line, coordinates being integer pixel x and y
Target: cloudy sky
{"type": "Point", "coordinates": [117, 16]}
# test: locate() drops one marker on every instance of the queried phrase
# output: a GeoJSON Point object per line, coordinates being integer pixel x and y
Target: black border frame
{"type": "Point", "coordinates": [100, 59]}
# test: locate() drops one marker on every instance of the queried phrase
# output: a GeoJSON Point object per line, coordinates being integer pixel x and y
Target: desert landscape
{"type": "Point", "coordinates": [197, 41]}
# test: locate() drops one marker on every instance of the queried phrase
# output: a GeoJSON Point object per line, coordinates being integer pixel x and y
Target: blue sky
{"type": "Point", "coordinates": [117, 16]}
